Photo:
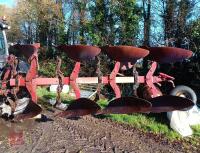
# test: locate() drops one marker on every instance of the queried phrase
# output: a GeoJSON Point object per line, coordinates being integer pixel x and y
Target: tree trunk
{"type": "Point", "coordinates": [169, 21]}
{"type": "Point", "coordinates": [147, 21]}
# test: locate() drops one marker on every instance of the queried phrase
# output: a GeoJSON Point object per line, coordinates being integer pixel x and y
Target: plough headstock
{"type": "Point", "coordinates": [125, 57]}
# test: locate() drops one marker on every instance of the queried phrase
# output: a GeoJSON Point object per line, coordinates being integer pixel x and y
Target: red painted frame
{"type": "Point", "coordinates": [31, 81]}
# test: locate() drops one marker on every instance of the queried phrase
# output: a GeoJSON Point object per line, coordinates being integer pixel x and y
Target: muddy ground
{"type": "Point", "coordinates": [84, 135]}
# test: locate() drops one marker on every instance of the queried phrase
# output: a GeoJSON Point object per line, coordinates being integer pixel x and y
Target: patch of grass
{"type": "Point", "coordinates": [153, 123]}
{"type": "Point", "coordinates": [44, 92]}
{"type": "Point", "coordinates": [196, 130]}
{"type": "Point", "coordinates": [44, 95]}
{"type": "Point", "coordinates": [103, 103]}
{"type": "Point", "coordinates": [145, 123]}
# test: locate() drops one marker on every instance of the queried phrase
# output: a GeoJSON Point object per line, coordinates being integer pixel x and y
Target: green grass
{"type": "Point", "coordinates": [44, 96]}
{"type": "Point", "coordinates": [153, 123]}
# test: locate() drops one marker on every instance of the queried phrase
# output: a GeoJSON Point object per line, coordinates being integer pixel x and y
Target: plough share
{"type": "Point", "coordinates": [19, 79]}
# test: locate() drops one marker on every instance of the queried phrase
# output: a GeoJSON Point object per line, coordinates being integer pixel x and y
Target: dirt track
{"type": "Point", "coordinates": [86, 135]}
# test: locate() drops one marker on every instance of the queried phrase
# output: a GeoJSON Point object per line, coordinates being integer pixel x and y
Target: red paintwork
{"type": "Point", "coordinates": [73, 77]}
{"type": "Point", "coordinates": [112, 81]}
{"type": "Point", "coordinates": [168, 54]}
{"type": "Point", "coordinates": [16, 138]}
{"type": "Point", "coordinates": [80, 52]}
{"type": "Point", "coordinates": [125, 53]}
{"type": "Point", "coordinates": [31, 53]}
{"type": "Point", "coordinates": [149, 81]}
{"type": "Point", "coordinates": [31, 81]}
{"type": "Point", "coordinates": [32, 73]}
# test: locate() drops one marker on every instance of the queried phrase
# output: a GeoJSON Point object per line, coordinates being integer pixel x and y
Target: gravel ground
{"type": "Point", "coordinates": [83, 135]}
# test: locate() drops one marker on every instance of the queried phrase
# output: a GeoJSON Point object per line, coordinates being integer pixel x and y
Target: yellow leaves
{"type": "Point", "coordinates": [29, 17]}
{"type": "Point", "coordinates": [35, 9]}
{"type": "Point", "coordinates": [5, 11]}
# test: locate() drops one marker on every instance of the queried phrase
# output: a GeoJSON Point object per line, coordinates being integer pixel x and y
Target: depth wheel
{"type": "Point", "coordinates": [185, 92]}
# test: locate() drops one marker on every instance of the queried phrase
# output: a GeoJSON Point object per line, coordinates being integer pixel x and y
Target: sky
{"type": "Point", "coordinates": [8, 3]}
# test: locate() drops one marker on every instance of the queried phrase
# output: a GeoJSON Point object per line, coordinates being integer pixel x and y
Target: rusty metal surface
{"type": "Point", "coordinates": [26, 50]}
{"type": "Point", "coordinates": [31, 111]}
{"type": "Point", "coordinates": [80, 52]}
{"type": "Point", "coordinates": [125, 53]}
{"type": "Point", "coordinates": [168, 54]}
{"type": "Point", "coordinates": [80, 107]}
{"type": "Point", "coordinates": [127, 105]}
{"type": "Point", "coordinates": [168, 103]}
{"type": "Point", "coordinates": [126, 57]}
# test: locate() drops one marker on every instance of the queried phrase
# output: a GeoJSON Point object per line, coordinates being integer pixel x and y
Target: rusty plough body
{"type": "Point", "coordinates": [14, 82]}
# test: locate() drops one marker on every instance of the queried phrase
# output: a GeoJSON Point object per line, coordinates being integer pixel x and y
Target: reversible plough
{"type": "Point", "coordinates": [19, 80]}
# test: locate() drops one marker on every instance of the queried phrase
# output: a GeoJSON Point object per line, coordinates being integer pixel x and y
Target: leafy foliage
{"type": "Point", "coordinates": [194, 33]}
{"type": "Point", "coordinates": [116, 23]}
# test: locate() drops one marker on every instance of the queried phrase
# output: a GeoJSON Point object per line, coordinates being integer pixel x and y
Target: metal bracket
{"type": "Point", "coordinates": [112, 80]}
{"type": "Point", "coordinates": [149, 80]}
{"type": "Point", "coordinates": [73, 77]}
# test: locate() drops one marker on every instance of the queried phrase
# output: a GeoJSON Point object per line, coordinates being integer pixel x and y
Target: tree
{"type": "Point", "coordinates": [39, 21]}
{"type": "Point", "coordinates": [185, 7]}
{"type": "Point", "coordinates": [146, 5]}
{"type": "Point", "coordinates": [169, 19]}
{"type": "Point", "coordinates": [97, 27]}
{"type": "Point", "coordinates": [128, 18]}
{"type": "Point", "coordinates": [116, 23]}
{"type": "Point", "coordinates": [175, 17]}
{"type": "Point", "coordinates": [14, 33]}
{"type": "Point", "coordinates": [194, 35]}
